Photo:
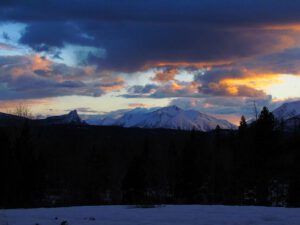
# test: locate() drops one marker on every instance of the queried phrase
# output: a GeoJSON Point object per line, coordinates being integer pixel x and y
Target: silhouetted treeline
{"type": "Point", "coordinates": [258, 164]}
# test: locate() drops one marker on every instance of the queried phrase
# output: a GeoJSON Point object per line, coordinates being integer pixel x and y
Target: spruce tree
{"type": "Point", "coordinates": [243, 124]}
{"type": "Point", "coordinates": [266, 121]}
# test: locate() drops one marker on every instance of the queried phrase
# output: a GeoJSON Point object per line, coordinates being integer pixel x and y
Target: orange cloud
{"type": "Point", "coordinates": [226, 89]}
{"type": "Point", "coordinates": [174, 86]}
{"type": "Point", "coordinates": [287, 26]}
{"type": "Point", "coordinates": [235, 119]}
{"type": "Point", "coordinates": [237, 82]}
{"type": "Point", "coordinates": [165, 76]}
{"type": "Point", "coordinates": [109, 84]}
{"type": "Point", "coordinates": [256, 81]}
{"type": "Point", "coordinates": [40, 63]}
{"type": "Point", "coordinates": [8, 105]}
{"type": "Point", "coordinates": [89, 70]}
{"type": "Point", "coordinates": [177, 64]}
{"type": "Point", "coordinates": [29, 65]}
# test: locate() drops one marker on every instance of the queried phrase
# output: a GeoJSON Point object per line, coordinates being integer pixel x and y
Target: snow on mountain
{"type": "Point", "coordinates": [70, 118]}
{"type": "Point", "coordinates": [287, 110]}
{"type": "Point", "coordinates": [114, 118]}
{"type": "Point", "coordinates": [174, 117]}
{"type": "Point", "coordinates": [171, 117]}
{"type": "Point", "coordinates": [133, 117]}
{"type": "Point", "coordinates": [105, 119]}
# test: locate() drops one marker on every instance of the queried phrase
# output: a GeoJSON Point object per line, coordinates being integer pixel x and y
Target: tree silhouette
{"type": "Point", "coordinates": [243, 123]}
{"type": "Point", "coordinates": [266, 121]}
{"type": "Point", "coordinates": [243, 126]}
{"type": "Point", "coordinates": [22, 111]}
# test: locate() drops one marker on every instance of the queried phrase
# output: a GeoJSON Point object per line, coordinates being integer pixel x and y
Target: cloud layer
{"type": "Point", "coordinates": [29, 77]}
{"type": "Point", "coordinates": [234, 49]}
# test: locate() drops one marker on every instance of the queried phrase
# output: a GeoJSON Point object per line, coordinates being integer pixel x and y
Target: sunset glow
{"type": "Point", "coordinates": [45, 59]}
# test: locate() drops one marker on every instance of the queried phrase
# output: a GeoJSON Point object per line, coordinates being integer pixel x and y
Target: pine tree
{"type": "Point", "coordinates": [243, 123]}
{"type": "Point", "coordinates": [264, 151]}
{"type": "Point", "coordinates": [266, 120]}
{"type": "Point", "coordinates": [243, 126]}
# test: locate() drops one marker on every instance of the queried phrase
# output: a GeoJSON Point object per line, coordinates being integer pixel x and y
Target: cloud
{"type": "Point", "coordinates": [135, 34]}
{"type": "Point", "coordinates": [166, 90]}
{"type": "Point", "coordinates": [109, 84]}
{"type": "Point", "coordinates": [213, 82]}
{"type": "Point", "coordinates": [138, 105]}
{"type": "Point", "coordinates": [33, 76]}
{"type": "Point", "coordinates": [224, 89]}
{"type": "Point", "coordinates": [165, 75]}
{"type": "Point", "coordinates": [235, 48]}
{"type": "Point", "coordinates": [4, 46]}
{"type": "Point", "coordinates": [285, 62]}
{"type": "Point", "coordinates": [85, 110]}
{"type": "Point", "coordinates": [8, 106]}
{"type": "Point", "coordinates": [231, 107]}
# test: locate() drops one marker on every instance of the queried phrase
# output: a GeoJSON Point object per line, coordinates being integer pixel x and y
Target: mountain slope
{"type": "Point", "coordinates": [70, 118]}
{"type": "Point", "coordinates": [171, 117]}
{"type": "Point", "coordinates": [292, 123]}
{"type": "Point", "coordinates": [176, 118]}
{"type": "Point", "coordinates": [11, 120]}
{"type": "Point", "coordinates": [287, 110]}
{"type": "Point", "coordinates": [114, 118]}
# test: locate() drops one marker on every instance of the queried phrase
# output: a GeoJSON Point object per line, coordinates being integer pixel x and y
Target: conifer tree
{"type": "Point", "coordinates": [243, 123]}
{"type": "Point", "coordinates": [266, 120]}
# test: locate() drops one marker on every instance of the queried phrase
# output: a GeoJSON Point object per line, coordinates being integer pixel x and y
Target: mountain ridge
{"type": "Point", "coordinates": [287, 110]}
{"type": "Point", "coordinates": [170, 117]}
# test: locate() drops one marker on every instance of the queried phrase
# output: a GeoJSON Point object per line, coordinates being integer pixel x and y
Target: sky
{"type": "Point", "coordinates": [96, 56]}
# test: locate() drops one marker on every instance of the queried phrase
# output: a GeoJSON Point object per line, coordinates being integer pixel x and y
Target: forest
{"type": "Point", "coordinates": [63, 165]}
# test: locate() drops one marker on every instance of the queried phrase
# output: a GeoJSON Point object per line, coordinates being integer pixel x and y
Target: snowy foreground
{"type": "Point", "coordinates": [166, 215]}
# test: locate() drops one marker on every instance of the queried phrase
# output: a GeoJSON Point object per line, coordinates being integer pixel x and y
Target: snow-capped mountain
{"type": "Point", "coordinates": [133, 117]}
{"type": "Point", "coordinates": [70, 118]}
{"type": "Point", "coordinates": [113, 118]}
{"type": "Point", "coordinates": [287, 110]}
{"type": "Point", "coordinates": [105, 119]}
{"type": "Point", "coordinates": [171, 117]}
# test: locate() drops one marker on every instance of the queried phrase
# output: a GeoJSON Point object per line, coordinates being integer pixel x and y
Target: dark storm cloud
{"type": "Point", "coordinates": [285, 62]}
{"type": "Point", "coordinates": [43, 36]}
{"type": "Point", "coordinates": [138, 33]}
{"type": "Point", "coordinates": [226, 11]}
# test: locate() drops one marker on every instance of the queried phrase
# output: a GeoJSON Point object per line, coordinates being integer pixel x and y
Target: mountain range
{"type": "Point", "coordinates": [289, 113]}
{"type": "Point", "coordinates": [287, 110]}
{"type": "Point", "coordinates": [70, 118]}
{"type": "Point", "coordinates": [170, 117]}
